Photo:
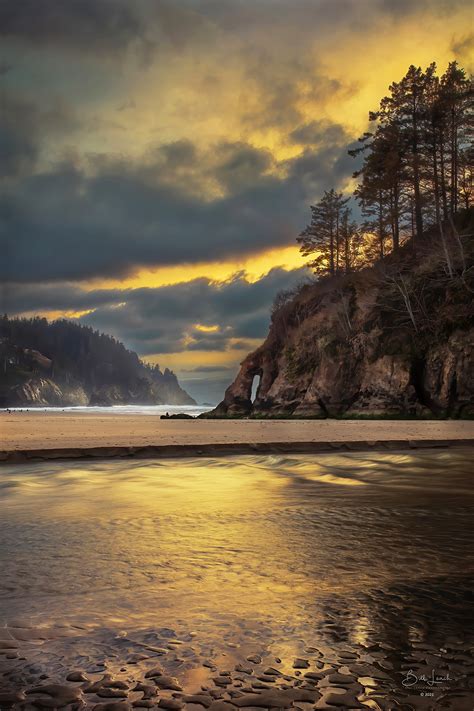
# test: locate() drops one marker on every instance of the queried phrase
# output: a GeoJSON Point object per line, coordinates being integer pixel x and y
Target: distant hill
{"type": "Point", "coordinates": [63, 363]}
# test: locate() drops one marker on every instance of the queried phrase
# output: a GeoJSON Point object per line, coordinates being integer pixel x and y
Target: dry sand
{"type": "Point", "coordinates": [69, 434]}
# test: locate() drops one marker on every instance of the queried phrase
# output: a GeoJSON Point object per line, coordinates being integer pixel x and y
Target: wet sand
{"type": "Point", "coordinates": [244, 582]}
{"type": "Point", "coordinates": [45, 435]}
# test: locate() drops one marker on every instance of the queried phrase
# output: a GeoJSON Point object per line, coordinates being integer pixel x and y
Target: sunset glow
{"type": "Point", "coordinates": [182, 152]}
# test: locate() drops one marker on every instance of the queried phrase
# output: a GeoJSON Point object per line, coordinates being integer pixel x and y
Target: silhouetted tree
{"type": "Point", "coordinates": [322, 239]}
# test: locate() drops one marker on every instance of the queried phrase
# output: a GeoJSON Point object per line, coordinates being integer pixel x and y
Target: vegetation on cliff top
{"type": "Point", "coordinates": [91, 367]}
{"type": "Point", "coordinates": [417, 172]}
{"type": "Point", "coordinates": [415, 195]}
{"type": "Point", "coordinates": [387, 328]}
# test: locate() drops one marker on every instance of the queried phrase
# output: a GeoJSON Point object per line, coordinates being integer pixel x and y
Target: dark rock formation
{"type": "Point", "coordinates": [177, 416]}
{"type": "Point", "coordinates": [346, 347]}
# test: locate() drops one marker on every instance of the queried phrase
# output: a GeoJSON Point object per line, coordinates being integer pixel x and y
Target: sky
{"type": "Point", "coordinates": [158, 157]}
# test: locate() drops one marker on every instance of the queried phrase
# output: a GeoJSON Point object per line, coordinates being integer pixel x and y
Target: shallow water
{"type": "Point", "coordinates": [158, 410]}
{"type": "Point", "coordinates": [370, 554]}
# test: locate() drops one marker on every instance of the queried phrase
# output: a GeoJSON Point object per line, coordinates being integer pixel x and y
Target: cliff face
{"type": "Point", "coordinates": [160, 389]}
{"type": "Point", "coordinates": [348, 347]}
{"type": "Point", "coordinates": [44, 392]}
{"type": "Point", "coordinates": [66, 365]}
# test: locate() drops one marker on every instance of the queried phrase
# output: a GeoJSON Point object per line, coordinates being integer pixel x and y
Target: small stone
{"type": "Point", "coordinates": [255, 659]}
{"type": "Point", "coordinates": [147, 689]}
{"type": "Point", "coordinates": [270, 671]}
{"type": "Point", "coordinates": [168, 682]}
{"type": "Point", "coordinates": [243, 669]}
{"type": "Point", "coordinates": [200, 699]}
{"type": "Point", "coordinates": [58, 695]}
{"type": "Point", "coordinates": [9, 698]}
{"type": "Point", "coordinates": [158, 650]}
{"type": "Point", "coordinates": [344, 700]}
{"type": "Point", "coordinates": [156, 671]}
{"type": "Point", "coordinates": [144, 703]}
{"type": "Point", "coordinates": [108, 693]}
{"type": "Point", "coordinates": [221, 706]}
{"type": "Point", "coordinates": [222, 680]}
{"type": "Point", "coordinates": [209, 665]}
{"type": "Point", "coordinates": [259, 685]}
{"type": "Point", "coordinates": [300, 663]}
{"type": "Point", "coordinates": [270, 699]}
{"type": "Point", "coordinates": [171, 704]}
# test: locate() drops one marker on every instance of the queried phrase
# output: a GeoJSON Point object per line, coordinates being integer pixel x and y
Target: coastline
{"type": "Point", "coordinates": [29, 436]}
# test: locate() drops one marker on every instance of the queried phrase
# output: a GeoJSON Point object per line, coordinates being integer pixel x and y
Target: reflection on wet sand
{"type": "Point", "coordinates": [357, 566]}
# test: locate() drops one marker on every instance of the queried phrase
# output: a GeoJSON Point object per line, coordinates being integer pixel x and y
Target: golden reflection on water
{"type": "Point", "coordinates": [142, 541]}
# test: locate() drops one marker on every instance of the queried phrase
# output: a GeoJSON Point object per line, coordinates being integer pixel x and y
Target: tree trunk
{"type": "Point", "coordinates": [331, 251]}
{"type": "Point", "coordinates": [453, 162]}
{"type": "Point", "coordinates": [381, 229]}
{"type": "Point", "coordinates": [416, 172]}
{"type": "Point", "coordinates": [395, 219]}
{"type": "Point", "coordinates": [443, 175]}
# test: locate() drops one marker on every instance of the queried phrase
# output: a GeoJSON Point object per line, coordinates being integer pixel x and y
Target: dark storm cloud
{"type": "Point", "coordinates": [102, 27]}
{"type": "Point", "coordinates": [23, 127]}
{"type": "Point", "coordinates": [170, 318]}
{"type": "Point", "coordinates": [407, 7]}
{"type": "Point", "coordinates": [20, 298]}
{"type": "Point", "coordinates": [319, 131]}
{"type": "Point", "coordinates": [166, 319]}
{"type": "Point", "coordinates": [241, 165]}
{"type": "Point", "coordinates": [104, 217]}
{"type": "Point", "coordinates": [156, 320]}
{"type": "Point", "coordinates": [112, 26]}
{"type": "Point", "coordinates": [89, 25]}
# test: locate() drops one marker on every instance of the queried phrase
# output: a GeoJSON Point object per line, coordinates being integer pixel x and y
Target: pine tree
{"type": "Point", "coordinates": [405, 110]}
{"type": "Point", "coordinates": [456, 106]}
{"type": "Point", "coordinates": [322, 239]}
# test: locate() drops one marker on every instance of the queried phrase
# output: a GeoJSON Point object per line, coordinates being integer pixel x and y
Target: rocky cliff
{"type": "Point", "coordinates": [63, 364]}
{"type": "Point", "coordinates": [394, 340]}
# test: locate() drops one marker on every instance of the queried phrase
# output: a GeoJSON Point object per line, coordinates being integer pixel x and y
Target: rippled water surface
{"type": "Point", "coordinates": [367, 553]}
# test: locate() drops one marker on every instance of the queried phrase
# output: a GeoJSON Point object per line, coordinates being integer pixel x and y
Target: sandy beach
{"type": "Point", "coordinates": [62, 432]}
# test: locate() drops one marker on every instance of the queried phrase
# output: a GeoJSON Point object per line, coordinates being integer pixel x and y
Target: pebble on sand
{"type": "Point", "coordinates": [300, 663]}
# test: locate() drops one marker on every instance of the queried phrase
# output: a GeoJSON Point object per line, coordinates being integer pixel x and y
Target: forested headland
{"type": "Point", "coordinates": [65, 363]}
{"type": "Point", "coordinates": [386, 328]}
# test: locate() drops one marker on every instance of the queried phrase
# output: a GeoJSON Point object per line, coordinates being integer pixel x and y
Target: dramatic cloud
{"type": "Point", "coordinates": [201, 317]}
{"type": "Point", "coordinates": [206, 315]}
{"type": "Point", "coordinates": [97, 25]}
{"type": "Point", "coordinates": [149, 142]}
{"type": "Point", "coordinates": [108, 216]}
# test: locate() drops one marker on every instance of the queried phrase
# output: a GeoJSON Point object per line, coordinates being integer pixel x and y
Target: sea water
{"type": "Point", "coordinates": [193, 410]}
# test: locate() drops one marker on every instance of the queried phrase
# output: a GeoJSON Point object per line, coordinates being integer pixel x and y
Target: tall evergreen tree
{"type": "Point", "coordinates": [322, 239]}
{"type": "Point", "coordinates": [405, 110]}
{"type": "Point", "coordinates": [456, 108]}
